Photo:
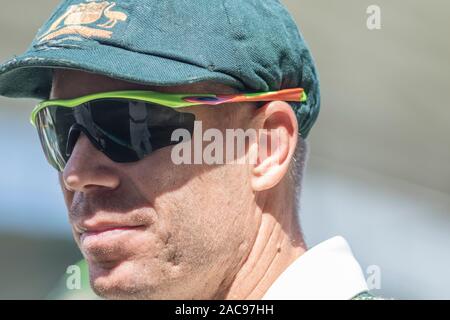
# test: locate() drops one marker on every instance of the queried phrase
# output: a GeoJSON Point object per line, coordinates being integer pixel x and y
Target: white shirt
{"type": "Point", "coordinates": [328, 271]}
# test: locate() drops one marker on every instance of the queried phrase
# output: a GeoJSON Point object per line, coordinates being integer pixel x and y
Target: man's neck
{"type": "Point", "coordinates": [277, 244]}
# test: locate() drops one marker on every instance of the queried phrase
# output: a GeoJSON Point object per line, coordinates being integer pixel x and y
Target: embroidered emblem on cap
{"type": "Point", "coordinates": [79, 19]}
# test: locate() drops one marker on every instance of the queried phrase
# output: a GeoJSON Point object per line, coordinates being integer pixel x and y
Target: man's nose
{"type": "Point", "coordinates": [88, 169]}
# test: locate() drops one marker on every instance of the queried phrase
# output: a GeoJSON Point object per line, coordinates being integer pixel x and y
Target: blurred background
{"type": "Point", "coordinates": [379, 167]}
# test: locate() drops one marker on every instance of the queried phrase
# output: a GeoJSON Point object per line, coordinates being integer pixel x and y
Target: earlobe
{"type": "Point", "coordinates": [274, 148]}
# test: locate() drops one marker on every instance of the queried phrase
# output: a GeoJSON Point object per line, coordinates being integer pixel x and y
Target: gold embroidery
{"type": "Point", "coordinates": [77, 16]}
{"type": "Point", "coordinates": [81, 30]}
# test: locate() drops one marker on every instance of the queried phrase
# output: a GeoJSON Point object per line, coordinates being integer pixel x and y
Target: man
{"type": "Point", "coordinates": [123, 78]}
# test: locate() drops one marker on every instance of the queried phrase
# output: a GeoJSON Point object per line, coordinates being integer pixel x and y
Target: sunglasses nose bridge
{"type": "Point", "coordinates": [74, 133]}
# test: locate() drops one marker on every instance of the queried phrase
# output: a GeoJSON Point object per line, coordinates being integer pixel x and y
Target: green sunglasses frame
{"type": "Point", "coordinates": [172, 100]}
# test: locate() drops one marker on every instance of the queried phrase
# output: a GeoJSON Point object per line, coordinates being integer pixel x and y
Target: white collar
{"type": "Point", "coordinates": [328, 271]}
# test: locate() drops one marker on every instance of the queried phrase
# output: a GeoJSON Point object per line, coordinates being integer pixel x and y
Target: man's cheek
{"type": "Point", "coordinates": [155, 174]}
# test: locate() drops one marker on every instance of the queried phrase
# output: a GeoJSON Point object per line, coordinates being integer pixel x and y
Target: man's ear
{"type": "Point", "coordinates": [274, 147]}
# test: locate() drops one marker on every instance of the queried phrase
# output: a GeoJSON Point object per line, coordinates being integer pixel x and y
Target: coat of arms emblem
{"type": "Point", "coordinates": [79, 19]}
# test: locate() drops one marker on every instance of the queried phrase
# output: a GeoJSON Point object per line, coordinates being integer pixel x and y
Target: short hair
{"type": "Point", "coordinates": [296, 172]}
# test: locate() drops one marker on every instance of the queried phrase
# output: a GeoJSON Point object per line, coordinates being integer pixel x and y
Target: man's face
{"type": "Point", "coordinates": [155, 229]}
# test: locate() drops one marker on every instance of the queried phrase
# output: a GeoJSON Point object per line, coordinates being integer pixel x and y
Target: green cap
{"type": "Point", "coordinates": [251, 45]}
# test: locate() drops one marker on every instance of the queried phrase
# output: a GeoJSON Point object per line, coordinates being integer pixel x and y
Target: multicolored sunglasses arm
{"type": "Point", "coordinates": [176, 100]}
{"type": "Point", "coordinates": [296, 94]}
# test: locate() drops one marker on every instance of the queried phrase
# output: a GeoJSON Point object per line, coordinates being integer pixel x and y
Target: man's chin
{"type": "Point", "coordinates": [134, 280]}
{"type": "Point", "coordinates": [119, 280]}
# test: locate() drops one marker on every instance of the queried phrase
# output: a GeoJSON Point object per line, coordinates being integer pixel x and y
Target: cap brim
{"type": "Point", "coordinates": [30, 75]}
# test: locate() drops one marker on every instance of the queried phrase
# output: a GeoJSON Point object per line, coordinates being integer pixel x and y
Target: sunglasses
{"type": "Point", "coordinates": [128, 125]}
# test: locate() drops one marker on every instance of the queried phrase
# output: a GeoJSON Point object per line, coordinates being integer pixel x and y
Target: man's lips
{"type": "Point", "coordinates": [107, 230]}
{"type": "Point", "coordinates": [104, 234]}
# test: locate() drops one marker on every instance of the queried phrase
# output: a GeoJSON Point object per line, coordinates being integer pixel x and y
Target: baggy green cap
{"type": "Point", "coordinates": [251, 45]}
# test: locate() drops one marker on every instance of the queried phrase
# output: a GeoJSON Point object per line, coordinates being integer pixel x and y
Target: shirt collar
{"type": "Point", "coordinates": [327, 271]}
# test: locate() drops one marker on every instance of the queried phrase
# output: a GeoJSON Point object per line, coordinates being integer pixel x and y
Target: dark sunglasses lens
{"type": "Point", "coordinates": [127, 131]}
{"type": "Point", "coordinates": [124, 130]}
